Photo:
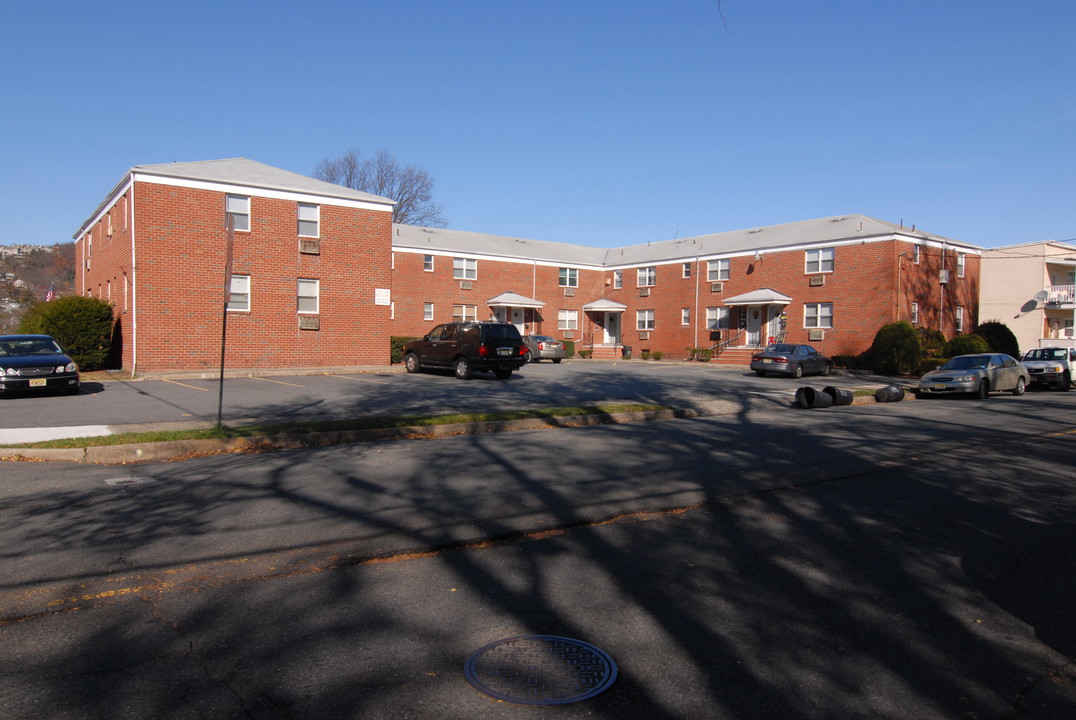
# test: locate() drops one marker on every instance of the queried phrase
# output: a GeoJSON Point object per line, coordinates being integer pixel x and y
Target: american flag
{"type": "Point", "coordinates": [50, 294]}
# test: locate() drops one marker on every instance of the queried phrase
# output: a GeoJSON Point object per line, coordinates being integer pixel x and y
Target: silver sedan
{"type": "Point", "coordinates": [978, 374]}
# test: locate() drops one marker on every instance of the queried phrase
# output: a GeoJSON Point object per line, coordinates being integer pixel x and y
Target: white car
{"type": "Point", "coordinates": [1050, 366]}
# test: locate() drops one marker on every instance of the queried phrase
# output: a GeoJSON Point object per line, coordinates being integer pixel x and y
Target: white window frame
{"type": "Point", "coordinates": [463, 313]}
{"type": "Point", "coordinates": [308, 216]}
{"type": "Point", "coordinates": [567, 319]}
{"type": "Point", "coordinates": [916, 254]}
{"type": "Point", "coordinates": [312, 289]}
{"type": "Point", "coordinates": [817, 261]}
{"type": "Point", "coordinates": [958, 321]}
{"type": "Point", "coordinates": [618, 279]}
{"type": "Point", "coordinates": [427, 263]}
{"type": "Point", "coordinates": [686, 271]}
{"type": "Point", "coordinates": [717, 318]}
{"type": "Point", "coordinates": [240, 288]}
{"type": "Point", "coordinates": [685, 316]}
{"type": "Point", "coordinates": [818, 315]}
{"type": "Point", "coordinates": [717, 270]}
{"type": "Point", "coordinates": [238, 206]}
{"type": "Point", "coordinates": [915, 313]}
{"type": "Point", "coordinates": [646, 276]}
{"type": "Point", "coordinates": [568, 277]}
{"type": "Point", "coordinates": [427, 311]}
{"type": "Point", "coordinates": [464, 269]}
{"type": "Point", "coordinates": [644, 320]}
{"type": "Point", "coordinates": [961, 264]}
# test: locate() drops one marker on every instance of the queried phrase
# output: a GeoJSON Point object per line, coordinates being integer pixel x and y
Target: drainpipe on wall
{"type": "Point", "coordinates": [134, 288]}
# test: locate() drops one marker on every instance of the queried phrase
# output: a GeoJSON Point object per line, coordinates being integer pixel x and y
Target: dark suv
{"type": "Point", "coordinates": [466, 347]}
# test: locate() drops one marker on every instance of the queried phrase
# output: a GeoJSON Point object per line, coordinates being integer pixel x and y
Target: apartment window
{"type": "Point", "coordinates": [618, 279]}
{"type": "Point", "coordinates": [717, 270]}
{"type": "Point", "coordinates": [819, 261]}
{"type": "Point", "coordinates": [644, 319]}
{"type": "Point", "coordinates": [427, 263]}
{"type": "Point", "coordinates": [647, 276]}
{"type": "Point", "coordinates": [309, 219]}
{"type": "Point", "coordinates": [717, 318]}
{"type": "Point", "coordinates": [687, 270]}
{"type": "Point", "coordinates": [239, 298]}
{"type": "Point", "coordinates": [427, 311]}
{"type": "Point", "coordinates": [685, 316]}
{"type": "Point", "coordinates": [464, 269]}
{"type": "Point", "coordinates": [915, 254]}
{"type": "Point", "coordinates": [818, 315]}
{"type": "Point", "coordinates": [959, 319]}
{"type": "Point", "coordinates": [567, 319]}
{"type": "Point", "coordinates": [238, 207]}
{"type": "Point", "coordinates": [961, 264]}
{"type": "Point", "coordinates": [569, 277]}
{"type": "Point", "coordinates": [307, 296]}
{"type": "Point", "coordinates": [915, 313]}
{"type": "Point", "coordinates": [463, 313]}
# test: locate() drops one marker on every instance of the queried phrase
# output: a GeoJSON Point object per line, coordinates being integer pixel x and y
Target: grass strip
{"type": "Point", "coordinates": [364, 423]}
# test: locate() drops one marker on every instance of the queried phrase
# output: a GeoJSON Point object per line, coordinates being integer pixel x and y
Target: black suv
{"type": "Point", "coordinates": [466, 347]}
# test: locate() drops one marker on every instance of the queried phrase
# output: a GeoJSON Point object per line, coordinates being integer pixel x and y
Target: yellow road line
{"type": "Point", "coordinates": [361, 379]}
{"type": "Point", "coordinates": [192, 387]}
{"type": "Point", "coordinates": [278, 382]}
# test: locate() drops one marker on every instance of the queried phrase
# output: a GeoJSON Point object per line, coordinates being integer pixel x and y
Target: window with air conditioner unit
{"type": "Point", "coordinates": [569, 292]}
{"type": "Point", "coordinates": [818, 315]}
{"type": "Point", "coordinates": [816, 280]}
{"type": "Point", "coordinates": [717, 270]}
{"type": "Point", "coordinates": [309, 246]}
{"type": "Point", "coordinates": [717, 287]}
{"type": "Point", "coordinates": [816, 335]}
{"type": "Point", "coordinates": [644, 292]}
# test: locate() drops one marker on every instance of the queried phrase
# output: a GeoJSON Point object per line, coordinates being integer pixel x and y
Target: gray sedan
{"type": "Point", "coordinates": [790, 359]}
{"type": "Point", "coordinates": [978, 374]}
{"type": "Point", "coordinates": [543, 347]}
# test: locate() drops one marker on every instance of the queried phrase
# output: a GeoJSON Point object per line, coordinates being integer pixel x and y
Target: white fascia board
{"type": "Point", "coordinates": [110, 201]}
{"type": "Point", "coordinates": [255, 191]}
{"type": "Point", "coordinates": [530, 262]}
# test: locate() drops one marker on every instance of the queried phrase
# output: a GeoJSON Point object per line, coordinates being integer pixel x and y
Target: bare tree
{"type": "Point", "coordinates": [409, 186]}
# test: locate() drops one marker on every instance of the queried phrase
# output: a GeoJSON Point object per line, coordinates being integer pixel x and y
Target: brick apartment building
{"type": "Point", "coordinates": [322, 278]}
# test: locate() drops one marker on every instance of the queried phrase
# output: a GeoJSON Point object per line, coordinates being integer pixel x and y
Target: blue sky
{"type": "Point", "coordinates": [598, 122]}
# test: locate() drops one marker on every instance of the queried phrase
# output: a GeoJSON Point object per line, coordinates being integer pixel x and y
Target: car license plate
{"type": "Point", "coordinates": [939, 386]}
{"type": "Point", "coordinates": [38, 382]}
{"type": "Point", "coordinates": [504, 351]}
{"type": "Point", "coordinates": [767, 360]}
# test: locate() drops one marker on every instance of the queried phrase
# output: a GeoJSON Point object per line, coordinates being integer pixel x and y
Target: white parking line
{"type": "Point", "coordinates": [192, 387]}
{"type": "Point", "coordinates": [278, 382]}
{"type": "Point", "coordinates": [27, 435]}
{"type": "Point", "coordinates": [361, 379]}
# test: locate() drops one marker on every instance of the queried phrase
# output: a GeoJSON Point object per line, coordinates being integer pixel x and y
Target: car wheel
{"type": "Point", "coordinates": [1066, 384]}
{"type": "Point", "coordinates": [1021, 385]}
{"type": "Point", "coordinates": [984, 389]}
{"type": "Point", "coordinates": [411, 363]}
{"type": "Point", "coordinates": [528, 356]}
{"type": "Point", "coordinates": [556, 361]}
{"type": "Point", "coordinates": [827, 369]}
{"type": "Point", "coordinates": [462, 368]}
{"type": "Point", "coordinates": [760, 373]}
{"type": "Point", "coordinates": [503, 373]}
{"type": "Point", "coordinates": [798, 372]}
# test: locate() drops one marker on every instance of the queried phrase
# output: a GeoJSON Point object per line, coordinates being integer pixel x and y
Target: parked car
{"type": "Point", "coordinates": [543, 347]}
{"type": "Point", "coordinates": [466, 347]}
{"type": "Point", "coordinates": [790, 359]}
{"type": "Point", "coordinates": [34, 363]}
{"type": "Point", "coordinates": [1050, 366]}
{"type": "Point", "coordinates": [979, 374]}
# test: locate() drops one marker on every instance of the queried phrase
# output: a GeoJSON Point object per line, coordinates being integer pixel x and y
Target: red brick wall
{"type": "Point", "coordinates": [181, 246]}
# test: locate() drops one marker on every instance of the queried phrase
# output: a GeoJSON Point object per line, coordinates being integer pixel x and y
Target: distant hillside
{"type": "Point", "coordinates": [27, 273]}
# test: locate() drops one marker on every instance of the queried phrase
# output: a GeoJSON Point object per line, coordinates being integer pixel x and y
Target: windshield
{"type": "Point", "coordinates": [1046, 354]}
{"type": "Point", "coordinates": [36, 346]}
{"type": "Point", "coordinates": [969, 362]}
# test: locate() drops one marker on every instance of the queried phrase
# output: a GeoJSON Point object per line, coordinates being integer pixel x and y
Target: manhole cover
{"type": "Point", "coordinates": [540, 670]}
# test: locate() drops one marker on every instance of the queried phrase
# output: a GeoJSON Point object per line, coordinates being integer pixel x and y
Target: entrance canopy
{"type": "Point", "coordinates": [511, 299]}
{"type": "Point", "coordinates": [604, 305]}
{"type": "Point", "coordinates": [762, 296]}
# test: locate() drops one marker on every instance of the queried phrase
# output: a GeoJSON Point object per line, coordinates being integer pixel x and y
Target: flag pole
{"type": "Point", "coordinates": [230, 222]}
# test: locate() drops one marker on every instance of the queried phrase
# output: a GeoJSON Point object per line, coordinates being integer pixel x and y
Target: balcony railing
{"type": "Point", "coordinates": [1061, 295]}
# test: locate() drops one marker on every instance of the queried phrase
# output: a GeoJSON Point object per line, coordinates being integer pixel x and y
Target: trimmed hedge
{"type": "Point", "coordinates": [396, 343]}
{"type": "Point", "coordinates": [82, 325]}
{"type": "Point", "coordinates": [999, 337]}
{"type": "Point", "coordinates": [965, 345]}
{"type": "Point", "coordinates": [896, 349]}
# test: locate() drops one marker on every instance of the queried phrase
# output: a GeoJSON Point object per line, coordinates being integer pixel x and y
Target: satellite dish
{"type": "Point", "coordinates": [1041, 296]}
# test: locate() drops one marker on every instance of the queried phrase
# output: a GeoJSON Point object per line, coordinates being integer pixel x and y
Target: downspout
{"type": "Point", "coordinates": [134, 288]}
{"type": "Point", "coordinates": [695, 315]}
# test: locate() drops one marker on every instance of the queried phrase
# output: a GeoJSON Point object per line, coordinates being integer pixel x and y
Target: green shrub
{"type": "Point", "coordinates": [396, 343]}
{"type": "Point", "coordinates": [569, 348]}
{"type": "Point", "coordinates": [657, 354]}
{"type": "Point", "coordinates": [930, 363]}
{"type": "Point", "coordinates": [999, 337]}
{"type": "Point", "coordinates": [895, 350]}
{"type": "Point", "coordinates": [645, 354]}
{"type": "Point", "coordinates": [585, 354]}
{"type": "Point", "coordinates": [844, 361]}
{"type": "Point", "coordinates": [931, 341]}
{"type": "Point", "coordinates": [965, 345]}
{"type": "Point", "coordinates": [702, 354]}
{"type": "Point", "coordinates": [82, 325]}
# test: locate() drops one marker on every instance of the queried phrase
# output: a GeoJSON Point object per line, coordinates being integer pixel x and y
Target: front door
{"type": "Point", "coordinates": [754, 325]}
{"type": "Point", "coordinates": [612, 328]}
{"type": "Point", "coordinates": [517, 319]}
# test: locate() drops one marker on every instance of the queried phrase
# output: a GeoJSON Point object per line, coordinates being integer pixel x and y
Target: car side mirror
{"type": "Point", "coordinates": [426, 337]}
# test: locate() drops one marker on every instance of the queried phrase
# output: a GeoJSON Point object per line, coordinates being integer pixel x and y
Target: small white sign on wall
{"type": "Point", "coordinates": [382, 296]}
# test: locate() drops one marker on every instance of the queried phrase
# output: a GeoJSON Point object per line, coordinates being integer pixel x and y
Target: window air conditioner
{"type": "Point", "coordinates": [717, 287]}
{"type": "Point", "coordinates": [309, 322]}
{"type": "Point", "coordinates": [644, 335]}
{"type": "Point", "coordinates": [465, 285]}
{"type": "Point", "coordinates": [310, 247]}
{"type": "Point", "coordinates": [644, 292]}
{"type": "Point", "coordinates": [569, 292]}
{"type": "Point", "coordinates": [816, 280]}
{"type": "Point", "coordinates": [817, 335]}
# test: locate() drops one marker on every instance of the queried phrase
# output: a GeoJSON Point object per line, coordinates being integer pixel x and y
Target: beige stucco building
{"type": "Point", "coordinates": [1032, 289]}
